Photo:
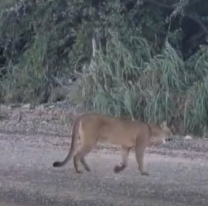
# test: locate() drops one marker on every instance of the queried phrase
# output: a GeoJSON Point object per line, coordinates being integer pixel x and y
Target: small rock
{"type": "Point", "coordinates": [26, 106]}
{"type": "Point", "coordinates": [188, 137]}
{"type": "Point", "coordinates": [51, 106]}
{"type": "Point", "coordinates": [4, 108]}
{"type": "Point", "coordinates": [17, 116]}
{"type": "Point", "coordinates": [14, 106]}
{"type": "Point", "coordinates": [40, 107]}
{"type": "Point", "coordinates": [4, 111]}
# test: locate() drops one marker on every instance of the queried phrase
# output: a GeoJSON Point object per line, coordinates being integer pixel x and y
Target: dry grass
{"type": "Point", "coordinates": [139, 84]}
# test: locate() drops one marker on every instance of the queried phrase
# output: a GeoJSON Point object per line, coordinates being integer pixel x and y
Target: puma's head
{"type": "Point", "coordinates": [160, 134]}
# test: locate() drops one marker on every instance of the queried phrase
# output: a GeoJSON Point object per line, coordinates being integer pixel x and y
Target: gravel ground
{"type": "Point", "coordinates": [31, 139]}
{"type": "Point", "coordinates": [27, 177]}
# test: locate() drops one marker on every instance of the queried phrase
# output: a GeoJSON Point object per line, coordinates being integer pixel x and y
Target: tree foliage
{"type": "Point", "coordinates": [151, 57]}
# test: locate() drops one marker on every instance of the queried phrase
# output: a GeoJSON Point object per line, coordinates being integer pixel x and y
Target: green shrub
{"type": "Point", "coordinates": [142, 85]}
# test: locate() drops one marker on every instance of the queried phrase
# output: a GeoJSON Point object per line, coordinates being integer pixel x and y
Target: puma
{"type": "Point", "coordinates": [92, 128]}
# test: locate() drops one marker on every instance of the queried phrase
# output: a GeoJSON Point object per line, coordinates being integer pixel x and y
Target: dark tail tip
{"type": "Point", "coordinates": [56, 164]}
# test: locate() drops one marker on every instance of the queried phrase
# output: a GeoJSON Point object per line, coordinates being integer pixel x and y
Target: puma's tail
{"type": "Point", "coordinates": [75, 136]}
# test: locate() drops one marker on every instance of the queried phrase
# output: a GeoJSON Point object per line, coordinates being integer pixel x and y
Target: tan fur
{"type": "Point", "coordinates": [92, 128]}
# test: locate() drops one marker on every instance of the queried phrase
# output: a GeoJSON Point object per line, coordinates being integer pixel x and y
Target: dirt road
{"type": "Point", "coordinates": [27, 177]}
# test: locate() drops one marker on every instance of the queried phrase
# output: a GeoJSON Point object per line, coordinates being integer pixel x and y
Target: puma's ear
{"type": "Point", "coordinates": [163, 125]}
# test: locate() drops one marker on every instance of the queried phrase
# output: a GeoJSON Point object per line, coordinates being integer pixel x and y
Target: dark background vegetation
{"type": "Point", "coordinates": [150, 62]}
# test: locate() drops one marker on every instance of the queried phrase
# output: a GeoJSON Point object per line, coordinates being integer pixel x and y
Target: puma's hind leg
{"type": "Point", "coordinates": [79, 157]}
{"type": "Point", "coordinates": [88, 140]}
